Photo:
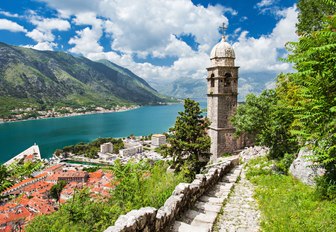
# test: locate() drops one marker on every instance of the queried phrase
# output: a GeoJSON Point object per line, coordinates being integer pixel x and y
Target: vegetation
{"type": "Point", "coordinates": [17, 171]}
{"type": "Point", "coordinates": [301, 111]}
{"type": "Point", "coordinates": [287, 204]}
{"type": "Point", "coordinates": [266, 118]}
{"type": "Point", "coordinates": [4, 182]}
{"type": "Point", "coordinates": [137, 185]}
{"type": "Point", "coordinates": [44, 80]}
{"type": "Point", "coordinates": [55, 191]}
{"type": "Point", "coordinates": [189, 142]}
{"type": "Point", "coordinates": [91, 149]}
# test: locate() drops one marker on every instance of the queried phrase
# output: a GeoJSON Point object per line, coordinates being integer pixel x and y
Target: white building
{"type": "Point", "coordinates": [158, 140]}
{"type": "Point", "coordinates": [106, 148]}
{"type": "Point", "coordinates": [131, 150]}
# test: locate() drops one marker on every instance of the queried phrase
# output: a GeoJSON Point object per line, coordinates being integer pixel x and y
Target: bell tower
{"type": "Point", "coordinates": [222, 81]}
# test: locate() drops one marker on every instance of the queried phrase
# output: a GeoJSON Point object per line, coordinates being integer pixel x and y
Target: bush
{"type": "Point", "coordinates": [325, 188]}
{"type": "Point", "coordinates": [284, 164]}
{"type": "Point", "coordinates": [137, 185]}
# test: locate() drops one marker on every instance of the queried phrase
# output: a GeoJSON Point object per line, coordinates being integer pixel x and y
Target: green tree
{"type": "Point", "coordinates": [315, 112]}
{"type": "Point", "coordinates": [189, 141]}
{"type": "Point", "coordinates": [55, 191]}
{"type": "Point", "coordinates": [4, 174]}
{"type": "Point", "coordinates": [311, 14]}
{"type": "Point", "coordinates": [269, 121]}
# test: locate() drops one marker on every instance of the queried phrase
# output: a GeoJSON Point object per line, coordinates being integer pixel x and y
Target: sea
{"type": "Point", "coordinates": [53, 133]}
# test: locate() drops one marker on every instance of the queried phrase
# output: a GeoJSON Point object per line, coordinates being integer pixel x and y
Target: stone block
{"type": "Point", "coordinates": [208, 207]}
{"type": "Point", "coordinates": [181, 188]}
{"type": "Point", "coordinates": [212, 200]}
{"type": "Point", "coordinates": [184, 227]}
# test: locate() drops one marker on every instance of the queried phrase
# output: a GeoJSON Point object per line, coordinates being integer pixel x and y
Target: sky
{"type": "Point", "coordinates": [159, 40]}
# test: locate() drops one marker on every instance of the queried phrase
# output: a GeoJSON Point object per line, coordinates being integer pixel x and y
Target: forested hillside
{"type": "Point", "coordinates": [46, 79]}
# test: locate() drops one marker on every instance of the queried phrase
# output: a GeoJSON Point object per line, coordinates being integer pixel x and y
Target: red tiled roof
{"type": "Point", "coordinates": [53, 168]}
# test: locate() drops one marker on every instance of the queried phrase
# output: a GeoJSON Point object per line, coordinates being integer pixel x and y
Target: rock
{"type": "Point", "coordinates": [303, 169]}
{"type": "Point", "coordinates": [253, 152]}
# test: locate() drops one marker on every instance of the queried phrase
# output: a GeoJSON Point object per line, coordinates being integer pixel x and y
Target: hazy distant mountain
{"type": "Point", "coordinates": [183, 88]}
{"type": "Point", "coordinates": [196, 88]}
{"type": "Point", "coordinates": [46, 78]}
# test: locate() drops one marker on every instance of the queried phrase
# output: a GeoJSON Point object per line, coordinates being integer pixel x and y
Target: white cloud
{"type": "Point", "coordinates": [86, 40]}
{"type": "Point", "coordinates": [40, 36]}
{"type": "Point", "coordinates": [144, 27]}
{"type": "Point", "coordinates": [8, 14]}
{"type": "Point", "coordinates": [261, 54]}
{"type": "Point", "coordinates": [43, 46]}
{"type": "Point", "coordinates": [231, 11]}
{"type": "Point", "coordinates": [265, 3]}
{"type": "Point", "coordinates": [8, 25]}
{"type": "Point", "coordinates": [49, 24]}
{"type": "Point", "coordinates": [43, 33]}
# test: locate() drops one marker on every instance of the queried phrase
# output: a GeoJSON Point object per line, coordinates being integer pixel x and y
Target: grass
{"type": "Point", "coordinates": [287, 204]}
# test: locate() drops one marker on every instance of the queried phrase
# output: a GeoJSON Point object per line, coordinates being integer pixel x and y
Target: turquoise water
{"type": "Point", "coordinates": [54, 133]}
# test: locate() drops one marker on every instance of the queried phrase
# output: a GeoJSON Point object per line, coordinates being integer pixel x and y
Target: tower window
{"type": "Point", "coordinates": [227, 79]}
{"type": "Point", "coordinates": [212, 81]}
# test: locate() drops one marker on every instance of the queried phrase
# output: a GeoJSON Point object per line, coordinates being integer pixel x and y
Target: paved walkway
{"type": "Point", "coordinates": [241, 210]}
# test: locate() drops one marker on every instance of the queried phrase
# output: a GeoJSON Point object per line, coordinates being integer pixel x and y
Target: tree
{"type": "Point", "coordinates": [189, 142]}
{"type": "Point", "coordinates": [3, 178]}
{"type": "Point", "coordinates": [269, 121]}
{"type": "Point", "coordinates": [55, 191]}
{"type": "Point", "coordinates": [311, 14]}
{"type": "Point", "coordinates": [315, 111]}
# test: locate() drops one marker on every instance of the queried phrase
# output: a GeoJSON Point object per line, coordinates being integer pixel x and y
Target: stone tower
{"type": "Point", "coordinates": [222, 94]}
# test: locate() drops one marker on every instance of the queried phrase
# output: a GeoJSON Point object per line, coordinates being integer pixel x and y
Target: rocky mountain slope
{"type": "Point", "coordinates": [45, 79]}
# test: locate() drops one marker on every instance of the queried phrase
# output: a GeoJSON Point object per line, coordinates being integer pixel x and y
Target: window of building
{"type": "Point", "coordinates": [212, 81]}
{"type": "Point", "coordinates": [227, 79]}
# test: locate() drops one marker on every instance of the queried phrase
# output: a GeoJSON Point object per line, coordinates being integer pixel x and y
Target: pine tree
{"type": "Point", "coordinates": [189, 142]}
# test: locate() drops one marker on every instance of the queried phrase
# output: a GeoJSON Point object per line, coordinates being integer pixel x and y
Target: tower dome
{"type": "Point", "coordinates": [222, 54]}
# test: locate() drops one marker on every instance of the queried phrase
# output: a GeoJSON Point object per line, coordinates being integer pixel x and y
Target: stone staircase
{"type": "Point", "coordinates": [202, 215]}
{"type": "Point", "coordinates": [192, 207]}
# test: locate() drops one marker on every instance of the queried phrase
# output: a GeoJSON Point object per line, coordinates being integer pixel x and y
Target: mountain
{"type": "Point", "coordinates": [45, 79]}
{"type": "Point", "coordinates": [197, 88]}
{"type": "Point", "coordinates": [183, 88]}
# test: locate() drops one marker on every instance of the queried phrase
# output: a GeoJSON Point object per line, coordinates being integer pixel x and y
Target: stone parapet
{"type": "Point", "coordinates": [183, 197]}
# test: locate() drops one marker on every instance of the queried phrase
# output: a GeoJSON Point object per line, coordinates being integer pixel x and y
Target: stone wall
{"type": "Point", "coordinates": [182, 198]}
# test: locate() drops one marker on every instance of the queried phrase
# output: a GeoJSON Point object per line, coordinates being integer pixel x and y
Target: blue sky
{"type": "Point", "coordinates": [159, 40]}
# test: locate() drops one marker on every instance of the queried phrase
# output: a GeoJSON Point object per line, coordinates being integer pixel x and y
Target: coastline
{"type": "Point", "coordinates": [122, 109]}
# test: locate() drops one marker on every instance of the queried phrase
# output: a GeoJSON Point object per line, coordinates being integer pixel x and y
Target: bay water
{"type": "Point", "coordinates": [51, 134]}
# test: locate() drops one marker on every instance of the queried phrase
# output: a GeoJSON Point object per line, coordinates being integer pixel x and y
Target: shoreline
{"type": "Point", "coordinates": [123, 109]}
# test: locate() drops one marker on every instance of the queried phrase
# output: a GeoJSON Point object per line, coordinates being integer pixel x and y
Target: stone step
{"type": "Point", "coordinates": [201, 224]}
{"type": "Point", "coordinates": [221, 191]}
{"type": "Point", "coordinates": [191, 214]}
{"type": "Point", "coordinates": [222, 186]}
{"type": "Point", "coordinates": [212, 200]}
{"type": "Point", "coordinates": [206, 207]}
{"type": "Point", "coordinates": [232, 176]}
{"type": "Point", "coordinates": [204, 220]}
{"type": "Point", "coordinates": [184, 227]}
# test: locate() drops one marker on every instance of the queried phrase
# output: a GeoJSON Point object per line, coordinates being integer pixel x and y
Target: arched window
{"type": "Point", "coordinates": [227, 79]}
{"type": "Point", "coordinates": [212, 81]}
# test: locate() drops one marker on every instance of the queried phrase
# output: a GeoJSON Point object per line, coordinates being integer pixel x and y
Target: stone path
{"type": "Point", "coordinates": [202, 216]}
{"type": "Point", "coordinates": [240, 211]}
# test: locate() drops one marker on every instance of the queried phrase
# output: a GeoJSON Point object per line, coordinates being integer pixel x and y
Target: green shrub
{"type": "Point", "coordinates": [325, 188]}
{"type": "Point", "coordinates": [287, 204]}
{"type": "Point", "coordinates": [284, 164]}
{"type": "Point", "coordinates": [137, 185]}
